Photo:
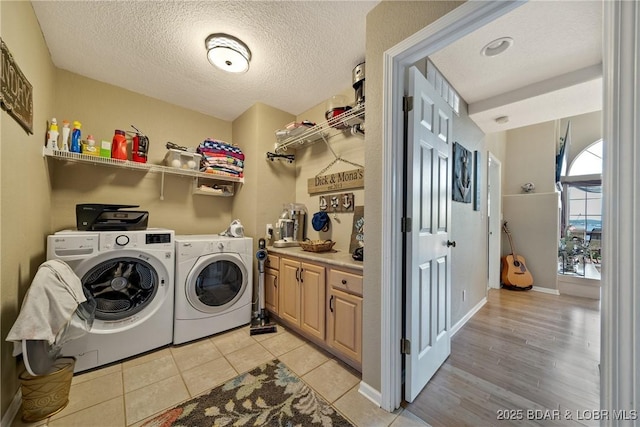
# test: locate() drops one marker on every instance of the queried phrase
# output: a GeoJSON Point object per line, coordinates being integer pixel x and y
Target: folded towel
{"type": "Point", "coordinates": [220, 147]}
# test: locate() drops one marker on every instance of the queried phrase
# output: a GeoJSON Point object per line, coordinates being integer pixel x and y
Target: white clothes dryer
{"type": "Point", "coordinates": [130, 275]}
{"type": "Point", "coordinates": [214, 285]}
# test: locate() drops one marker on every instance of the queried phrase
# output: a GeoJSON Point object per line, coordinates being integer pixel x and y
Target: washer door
{"type": "Point", "coordinates": [216, 282]}
{"type": "Point", "coordinates": [127, 286]}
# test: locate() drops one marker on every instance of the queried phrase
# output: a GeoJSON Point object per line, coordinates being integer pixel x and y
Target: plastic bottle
{"type": "Point", "coordinates": [52, 135]}
{"type": "Point", "coordinates": [65, 135]}
{"type": "Point", "coordinates": [119, 145]}
{"type": "Point", "coordinates": [75, 137]}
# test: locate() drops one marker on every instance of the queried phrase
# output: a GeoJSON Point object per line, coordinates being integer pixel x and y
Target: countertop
{"type": "Point", "coordinates": [332, 257]}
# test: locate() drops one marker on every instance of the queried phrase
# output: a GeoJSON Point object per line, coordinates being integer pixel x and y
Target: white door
{"type": "Point", "coordinates": [428, 256]}
{"type": "Point", "coordinates": [494, 220]}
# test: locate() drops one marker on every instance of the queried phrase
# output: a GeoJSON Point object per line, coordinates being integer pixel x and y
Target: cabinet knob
{"type": "Point", "coordinates": [344, 281]}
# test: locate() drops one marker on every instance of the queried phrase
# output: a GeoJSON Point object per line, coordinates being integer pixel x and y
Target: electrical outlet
{"type": "Point", "coordinates": [464, 294]}
{"type": "Point", "coordinates": [269, 231]}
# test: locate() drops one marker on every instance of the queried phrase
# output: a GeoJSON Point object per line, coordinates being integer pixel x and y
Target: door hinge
{"type": "Point", "coordinates": [407, 103]}
{"type": "Point", "coordinates": [405, 225]}
{"type": "Point", "coordinates": [405, 346]}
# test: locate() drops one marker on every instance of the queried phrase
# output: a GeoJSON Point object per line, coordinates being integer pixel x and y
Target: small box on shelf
{"type": "Point", "coordinates": [182, 159]}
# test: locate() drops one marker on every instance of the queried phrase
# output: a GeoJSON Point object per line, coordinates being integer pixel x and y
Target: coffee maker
{"type": "Point", "coordinates": [291, 226]}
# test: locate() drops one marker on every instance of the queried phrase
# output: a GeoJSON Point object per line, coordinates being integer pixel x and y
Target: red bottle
{"type": "Point", "coordinates": [119, 146]}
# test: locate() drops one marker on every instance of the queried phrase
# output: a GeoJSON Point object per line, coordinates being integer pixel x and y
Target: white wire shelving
{"type": "Point", "coordinates": [127, 164]}
{"type": "Point", "coordinates": [300, 137]}
{"type": "Point", "coordinates": [146, 167]}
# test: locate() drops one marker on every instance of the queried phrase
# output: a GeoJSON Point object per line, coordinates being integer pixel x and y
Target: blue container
{"type": "Point", "coordinates": [75, 138]}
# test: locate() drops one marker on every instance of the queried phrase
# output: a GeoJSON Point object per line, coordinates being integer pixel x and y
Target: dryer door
{"type": "Point", "coordinates": [216, 282]}
{"type": "Point", "coordinates": [127, 286]}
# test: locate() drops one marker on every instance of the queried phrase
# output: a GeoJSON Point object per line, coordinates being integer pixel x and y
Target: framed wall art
{"type": "Point", "coordinates": [476, 180]}
{"type": "Point", "coordinates": [462, 163]}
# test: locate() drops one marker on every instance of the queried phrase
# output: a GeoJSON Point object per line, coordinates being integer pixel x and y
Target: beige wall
{"type": "Point", "coordinates": [388, 23]}
{"type": "Point", "coordinates": [25, 210]}
{"type": "Point", "coordinates": [267, 184]}
{"type": "Point", "coordinates": [314, 158]}
{"type": "Point", "coordinates": [533, 219]}
{"type": "Point", "coordinates": [102, 108]}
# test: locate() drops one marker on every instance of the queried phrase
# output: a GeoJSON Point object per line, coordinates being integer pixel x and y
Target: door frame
{"type": "Point", "coordinates": [463, 20]}
{"type": "Point", "coordinates": [492, 159]}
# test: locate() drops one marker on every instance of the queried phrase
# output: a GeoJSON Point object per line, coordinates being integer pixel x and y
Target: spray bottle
{"type": "Point", "coordinates": [52, 135]}
{"type": "Point", "coordinates": [75, 137]}
{"type": "Point", "coordinates": [65, 135]}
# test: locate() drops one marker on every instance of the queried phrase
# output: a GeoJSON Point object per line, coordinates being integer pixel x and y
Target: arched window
{"type": "Point", "coordinates": [584, 191]}
{"type": "Point", "coordinates": [588, 162]}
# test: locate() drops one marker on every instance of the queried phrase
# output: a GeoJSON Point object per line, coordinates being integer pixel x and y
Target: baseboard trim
{"type": "Point", "coordinates": [467, 316]}
{"type": "Point", "coordinates": [546, 290]}
{"type": "Point", "coordinates": [370, 393]}
{"type": "Point", "coordinates": [12, 410]}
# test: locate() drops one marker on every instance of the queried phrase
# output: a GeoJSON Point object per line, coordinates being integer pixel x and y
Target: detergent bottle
{"type": "Point", "coordinates": [65, 135]}
{"type": "Point", "coordinates": [52, 135]}
{"type": "Point", "coordinates": [75, 137]}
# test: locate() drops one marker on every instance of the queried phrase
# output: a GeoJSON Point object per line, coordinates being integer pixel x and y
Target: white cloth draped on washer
{"type": "Point", "coordinates": [48, 307]}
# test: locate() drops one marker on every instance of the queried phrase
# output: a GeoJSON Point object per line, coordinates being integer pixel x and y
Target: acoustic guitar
{"type": "Point", "coordinates": [515, 274]}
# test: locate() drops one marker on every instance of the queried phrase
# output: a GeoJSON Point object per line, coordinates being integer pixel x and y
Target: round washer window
{"type": "Point", "coordinates": [218, 284]}
{"type": "Point", "coordinates": [121, 287]}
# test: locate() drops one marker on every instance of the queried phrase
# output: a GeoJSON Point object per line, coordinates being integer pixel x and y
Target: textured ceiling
{"type": "Point", "coordinates": [551, 71]}
{"type": "Point", "coordinates": [302, 52]}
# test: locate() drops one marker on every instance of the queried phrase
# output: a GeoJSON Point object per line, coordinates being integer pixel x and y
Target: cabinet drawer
{"type": "Point", "coordinates": [348, 282]}
{"type": "Point", "coordinates": [272, 261]}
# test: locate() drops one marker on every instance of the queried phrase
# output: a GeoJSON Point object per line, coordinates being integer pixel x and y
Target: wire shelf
{"type": "Point", "coordinates": [322, 131]}
{"type": "Point", "coordinates": [127, 164]}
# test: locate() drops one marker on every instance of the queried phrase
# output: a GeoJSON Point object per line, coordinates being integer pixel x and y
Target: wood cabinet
{"type": "Point", "coordinates": [320, 301]}
{"type": "Point", "coordinates": [344, 317]}
{"type": "Point", "coordinates": [271, 277]}
{"type": "Point", "coordinates": [302, 296]}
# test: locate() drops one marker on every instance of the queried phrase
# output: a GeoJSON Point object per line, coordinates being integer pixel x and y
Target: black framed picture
{"type": "Point", "coordinates": [477, 158]}
{"type": "Point", "coordinates": [461, 174]}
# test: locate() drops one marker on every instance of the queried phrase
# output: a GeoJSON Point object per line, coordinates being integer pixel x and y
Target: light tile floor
{"type": "Point", "coordinates": [128, 393]}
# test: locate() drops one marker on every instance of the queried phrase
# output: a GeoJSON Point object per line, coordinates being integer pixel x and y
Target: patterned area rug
{"type": "Point", "coordinates": [270, 395]}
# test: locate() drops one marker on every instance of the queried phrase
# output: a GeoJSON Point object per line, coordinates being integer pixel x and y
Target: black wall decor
{"type": "Point", "coordinates": [477, 158]}
{"type": "Point", "coordinates": [462, 163]}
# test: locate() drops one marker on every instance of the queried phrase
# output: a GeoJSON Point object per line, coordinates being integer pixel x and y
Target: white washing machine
{"type": "Point", "coordinates": [130, 274]}
{"type": "Point", "coordinates": [214, 285]}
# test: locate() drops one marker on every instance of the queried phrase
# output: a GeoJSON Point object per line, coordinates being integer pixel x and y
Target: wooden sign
{"type": "Point", "coordinates": [16, 93]}
{"type": "Point", "coordinates": [336, 181]}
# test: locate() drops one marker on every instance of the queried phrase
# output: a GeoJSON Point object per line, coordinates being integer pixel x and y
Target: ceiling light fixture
{"type": "Point", "coordinates": [228, 53]}
{"type": "Point", "coordinates": [502, 120]}
{"type": "Point", "coordinates": [497, 46]}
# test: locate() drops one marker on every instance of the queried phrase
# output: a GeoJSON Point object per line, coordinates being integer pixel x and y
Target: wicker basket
{"type": "Point", "coordinates": [46, 395]}
{"type": "Point", "coordinates": [317, 245]}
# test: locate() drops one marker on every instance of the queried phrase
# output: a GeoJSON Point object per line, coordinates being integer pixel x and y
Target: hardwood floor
{"type": "Point", "coordinates": [526, 358]}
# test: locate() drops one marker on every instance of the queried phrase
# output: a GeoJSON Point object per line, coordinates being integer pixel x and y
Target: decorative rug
{"type": "Point", "coordinates": [269, 395]}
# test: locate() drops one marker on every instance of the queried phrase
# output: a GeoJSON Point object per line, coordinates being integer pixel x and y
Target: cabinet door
{"type": "Point", "coordinates": [271, 290]}
{"type": "Point", "coordinates": [289, 291]}
{"type": "Point", "coordinates": [312, 297]}
{"type": "Point", "coordinates": [345, 324]}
